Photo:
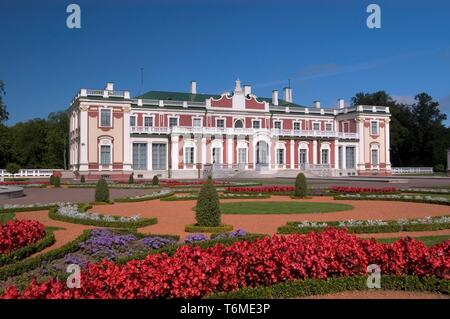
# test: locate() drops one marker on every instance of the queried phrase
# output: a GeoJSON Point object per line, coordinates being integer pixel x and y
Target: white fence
{"type": "Point", "coordinates": [411, 170]}
{"type": "Point", "coordinates": [28, 173]}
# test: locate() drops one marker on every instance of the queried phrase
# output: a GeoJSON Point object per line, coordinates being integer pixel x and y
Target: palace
{"type": "Point", "coordinates": [237, 134]}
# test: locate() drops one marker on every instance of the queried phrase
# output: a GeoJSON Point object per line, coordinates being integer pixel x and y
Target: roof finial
{"type": "Point", "coordinates": [238, 85]}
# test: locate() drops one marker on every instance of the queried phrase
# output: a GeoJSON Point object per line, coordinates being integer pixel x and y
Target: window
{"type": "Point", "coordinates": [105, 118]}
{"type": "Point", "coordinates": [173, 121]}
{"type": "Point", "coordinates": [280, 156]}
{"type": "Point", "coordinates": [375, 157]}
{"type": "Point", "coordinates": [132, 120]}
{"type": "Point", "coordinates": [242, 155]}
{"type": "Point", "coordinates": [216, 154]}
{"type": "Point", "coordinates": [238, 124]}
{"type": "Point", "coordinates": [316, 126]}
{"type": "Point", "coordinates": [197, 122]}
{"type": "Point", "coordinates": [139, 156]}
{"type": "Point", "coordinates": [328, 127]}
{"type": "Point", "coordinates": [148, 121]}
{"type": "Point", "coordinates": [277, 125]}
{"type": "Point", "coordinates": [189, 155]}
{"type": "Point", "coordinates": [105, 154]}
{"type": "Point", "coordinates": [297, 126]}
{"type": "Point", "coordinates": [220, 123]}
{"type": "Point", "coordinates": [350, 157]}
{"type": "Point", "coordinates": [256, 124]}
{"type": "Point", "coordinates": [324, 158]}
{"type": "Point", "coordinates": [374, 127]}
{"type": "Point", "coordinates": [158, 156]}
{"type": "Point", "coordinates": [302, 159]}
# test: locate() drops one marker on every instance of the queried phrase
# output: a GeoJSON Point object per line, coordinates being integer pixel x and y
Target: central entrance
{"type": "Point", "coordinates": [262, 155]}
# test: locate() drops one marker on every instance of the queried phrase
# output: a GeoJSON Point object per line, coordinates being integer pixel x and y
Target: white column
{"type": "Point", "coordinates": [126, 141]}
{"type": "Point", "coordinates": [84, 122]}
{"type": "Point", "coordinates": [336, 154]}
{"type": "Point", "coordinates": [203, 150]}
{"type": "Point", "coordinates": [344, 157]}
{"type": "Point", "coordinates": [388, 144]}
{"type": "Point", "coordinates": [292, 153]}
{"type": "Point", "coordinates": [175, 152]}
{"type": "Point", "coordinates": [314, 150]}
{"type": "Point", "coordinates": [230, 150]}
{"type": "Point", "coordinates": [361, 160]}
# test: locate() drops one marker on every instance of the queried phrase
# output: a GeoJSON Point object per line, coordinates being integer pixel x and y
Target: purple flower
{"type": "Point", "coordinates": [79, 260]}
{"type": "Point", "coordinates": [157, 242]}
{"type": "Point", "coordinates": [104, 242]}
{"type": "Point", "coordinates": [234, 234]}
{"type": "Point", "coordinates": [195, 238]}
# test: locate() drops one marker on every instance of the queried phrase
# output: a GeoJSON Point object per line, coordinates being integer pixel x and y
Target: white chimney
{"type": "Point", "coordinates": [247, 90]}
{"type": "Point", "coordinates": [193, 87]}
{"type": "Point", "coordinates": [288, 94]}
{"type": "Point", "coordinates": [275, 97]}
{"type": "Point", "coordinates": [109, 86]}
{"type": "Point", "coordinates": [291, 99]}
{"type": "Point", "coordinates": [341, 103]}
{"type": "Point", "coordinates": [317, 104]}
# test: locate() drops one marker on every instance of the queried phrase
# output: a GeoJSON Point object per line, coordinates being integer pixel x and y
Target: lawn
{"type": "Point", "coordinates": [281, 207]}
{"type": "Point", "coordinates": [427, 240]}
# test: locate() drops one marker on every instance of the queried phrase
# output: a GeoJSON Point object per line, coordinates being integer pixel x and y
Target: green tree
{"type": "Point", "coordinates": [102, 191]}
{"type": "Point", "coordinates": [208, 206]}
{"type": "Point", "coordinates": [57, 140]}
{"type": "Point", "coordinates": [301, 189]}
{"type": "Point", "coordinates": [12, 168]}
{"type": "Point", "coordinates": [155, 180]}
{"type": "Point", "coordinates": [4, 115]}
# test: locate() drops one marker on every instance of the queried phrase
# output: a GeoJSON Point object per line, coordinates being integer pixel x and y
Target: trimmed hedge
{"type": "Point", "coordinates": [207, 229]}
{"type": "Point", "coordinates": [142, 223]}
{"type": "Point", "coordinates": [413, 200]}
{"type": "Point", "coordinates": [27, 251]}
{"type": "Point", "coordinates": [141, 199]}
{"type": "Point", "coordinates": [310, 287]}
{"type": "Point", "coordinates": [25, 209]}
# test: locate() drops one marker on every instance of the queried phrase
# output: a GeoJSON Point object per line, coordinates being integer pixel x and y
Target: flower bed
{"type": "Point", "coordinates": [114, 185]}
{"type": "Point", "coordinates": [402, 198]}
{"type": "Point", "coordinates": [363, 190]}
{"type": "Point", "coordinates": [426, 190]}
{"type": "Point", "coordinates": [29, 207]}
{"type": "Point", "coordinates": [175, 183]}
{"type": "Point", "coordinates": [16, 234]}
{"type": "Point", "coordinates": [194, 272]}
{"type": "Point", "coordinates": [160, 194]}
{"type": "Point", "coordinates": [73, 214]}
{"type": "Point", "coordinates": [23, 183]}
{"type": "Point", "coordinates": [261, 189]}
{"type": "Point", "coordinates": [370, 226]}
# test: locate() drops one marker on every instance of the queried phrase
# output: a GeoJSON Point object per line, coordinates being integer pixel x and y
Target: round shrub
{"type": "Point", "coordinates": [83, 179]}
{"type": "Point", "coordinates": [101, 191]}
{"type": "Point", "coordinates": [208, 207]}
{"type": "Point", "coordinates": [300, 186]}
{"type": "Point", "coordinates": [12, 168]}
{"type": "Point", "coordinates": [131, 179]}
{"type": "Point", "coordinates": [155, 180]}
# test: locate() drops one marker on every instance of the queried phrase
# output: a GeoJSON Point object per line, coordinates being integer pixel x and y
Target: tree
{"type": "Point", "coordinates": [208, 206]}
{"type": "Point", "coordinates": [4, 115]}
{"type": "Point", "coordinates": [131, 179]}
{"type": "Point", "coordinates": [57, 140]}
{"type": "Point", "coordinates": [300, 186]}
{"type": "Point", "coordinates": [101, 191]}
{"type": "Point", "coordinates": [155, 180]}
{"type": "Point", "coordinates": [12, 168]}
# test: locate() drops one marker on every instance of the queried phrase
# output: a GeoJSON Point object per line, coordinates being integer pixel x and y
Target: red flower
{"type": "Point", "coordinates": [15, 234]}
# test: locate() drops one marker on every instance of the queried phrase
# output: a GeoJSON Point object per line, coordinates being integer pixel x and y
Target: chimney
{"type": "Point", "coordinates": [317, 104]}
{"type": "Point", "coordinates": [275, 97]}
{"type": "Point", "coordinates": [109, 86]}
{"type": "Point", "coordinates": [288, 94]}
{"type": "Point", "coordinates": [341, 103]}
{"type": "Point", "coordinates": [193, 87]}
{"type": "Point", "coordinates": [247, 90]}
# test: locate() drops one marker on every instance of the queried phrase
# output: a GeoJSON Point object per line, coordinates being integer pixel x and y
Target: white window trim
{"type": "Point", "coordinates": [284, 156]}
{"type": "Point", "coordinates": [189, 144]}
{"type": "Point", "coordinates": [300, 125]}
{"type": "Point", "coordinates": [303, 146]}
{"type": "Point", "coordinates": [328, 123]}
{"type": "Point", "coordinates": [260, 124]}
{"type": "Point", "coordinates": [239, 119]}
{"type": "Point", "coordinates": [173, 117]}
{"type": "Point", "coordinates": [325, 146]}
{"type": "Point", "coordinates": [222, 119]}
{"type": "Point", "coordinates": [377, 148]}
{"type": "Point", "coordinates": [315, 122]}
{"type": "Point", "coordinates": [105, 141]}
{"type": "Point", "coordinates": [100, 116]}
{"type": "Point", "coordinates": [243, 145]}
{"type": "Point", "coordinates": [378, 127]}
{"type": "Point", "coordinates": [153, 120]}
{"type": "Point", "coordinates": [135, 120]}
{"type": "Point", "coordinates": [275, 121]}
{"type": "Point", "coordinates": [196, 117]}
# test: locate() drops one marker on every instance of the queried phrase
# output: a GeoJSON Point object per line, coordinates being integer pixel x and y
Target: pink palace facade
{"type": "Point", "coordinates": [233, 134]}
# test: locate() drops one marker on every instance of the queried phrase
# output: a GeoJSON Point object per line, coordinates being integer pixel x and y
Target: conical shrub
{"type": "Point", "coordinates": [300, 186]}
{"type": "Point", "coordinates": [102, 191]}
{"type": "Point", "coordinates": [208, 206]}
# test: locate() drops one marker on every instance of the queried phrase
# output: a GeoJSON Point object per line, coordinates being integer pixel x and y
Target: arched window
{"type": "Point", "coordinates": [238, 124]}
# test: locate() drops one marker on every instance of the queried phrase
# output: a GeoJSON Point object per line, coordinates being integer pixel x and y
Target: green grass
{"type": "Point", "coordinates": [281, 207]}
{"type": "Point", "coordinates": [427, 240]}
{"type": "Point", "coordinates": [4, 217]}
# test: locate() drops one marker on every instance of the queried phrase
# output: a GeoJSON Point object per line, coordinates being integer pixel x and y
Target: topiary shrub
{"type": "Point", "coordinates": [131, 179]}
{"type": "Point", "coordinates": [101, 191]}
{"type": "Point", "coordinates": [52, 179]}
{"type": "Point", "coordinates": [300, 186]}
{"type": "Point", "coordinates": [82, 179]}
{"type": "Point", "coordinates": [155, 180]}
{"type": "Point", "coordinates": [57, 181]}
{"type": "Point", "coordinates": [208, 209]}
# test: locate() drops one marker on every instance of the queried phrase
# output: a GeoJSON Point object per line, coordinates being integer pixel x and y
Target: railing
{"type": "Point", "coordinates": [411, 170]}
{"type": "Point", "coordinates": [28, 173]}
{"type": "Point", "coordinates": [241, 131]}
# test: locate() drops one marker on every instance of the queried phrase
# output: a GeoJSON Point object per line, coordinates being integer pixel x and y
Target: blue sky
{"type": "Point", "coordinates": [325, 47]}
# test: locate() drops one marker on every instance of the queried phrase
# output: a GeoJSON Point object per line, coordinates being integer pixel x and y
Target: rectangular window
{"type": "Point", "coordinates": [132, 121]}
{"type": "Point", "coordinates": [375, 157]}
{"type": "Point", "coordinates": [324, 158]}
{"type": "Point", "coordinates": [140, 156]}
{"type": "Point", "coordinates": [216, 154]}
{"type": "Point", "coordinates": [280, 156]}
{"type": "Point", "coordinates": [220, 123]}
{"type": "Point", "coordinates": [105, 118]}
{"type": "Point", "coordinates": [148, 121]}
{"type": "Point", "coordinates": [189, 155]}
{"type": "Point", "coordinates": [374, 127]}
{"type": "Point", "coordinates": [297, 126]}
{"type": "Point", "coordinates": [105, 154]}
{"type": "Point", "coordinates": [316, 126]}
{"type": "Point", "coordinates": [256, 124]}
{"type": "Point", "coordinates": [302, 156]}
{"type": "Point", "coordinates": [158, 156]}
{"type": "Point", "coordinates": [328, 127]}
{"type": "Point", "coordinates": [242, 156]}
{"type": "Point", "coordinates": [277, 125]}
{"type": "Point", "coordinates": [197, 122]}
{"type": "Point", "coordinates": [350, 157]}
{"type": "Point", "coordinates": [173, 121]}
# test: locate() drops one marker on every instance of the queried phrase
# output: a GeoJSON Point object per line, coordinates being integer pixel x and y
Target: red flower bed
{"type": "Point", "coordinates": [349, 189]}
{"type": "Point", "coordinates": [194, 272]}
{"type": "Point", "coordinates": [15, 234]}
{"type": "Point", "coordinates": [23, 182]}
{"type": "Point", "coordinates": [261, 189]}
{"type": "Point", "coordinates": [171, 183]}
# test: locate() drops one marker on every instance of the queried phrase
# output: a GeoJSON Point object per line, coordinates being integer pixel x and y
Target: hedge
{"type": "Point", "coordinates": [221, 196]}
{"type": "Point", "coordinates": [207, 229]}
{"type": "Point", "coordinates": [116, 186]}
{"type": "Point", "coordinates": [401, 199]}
{"type": "Point", "coordinates": [141, 199]}
{"type": "Point", "coordinates": [143, 222]}
{"type": "Point", "coordinates": [25, 209]}
{"type": "Point", "coordinates": [310, 287]}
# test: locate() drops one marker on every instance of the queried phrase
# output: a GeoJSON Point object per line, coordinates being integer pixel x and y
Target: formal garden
{"type": "Point", "coordinates": [224, 239]}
